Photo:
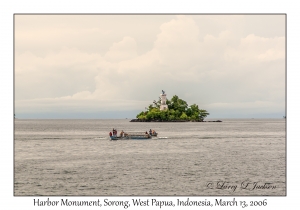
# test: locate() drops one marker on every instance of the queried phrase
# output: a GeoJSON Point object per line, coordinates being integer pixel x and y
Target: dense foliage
{"type": "Point", "coordinates": [178, 110]}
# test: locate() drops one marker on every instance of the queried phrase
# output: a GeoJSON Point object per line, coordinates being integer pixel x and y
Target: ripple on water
{"type": "Point", "coordinates": [79, 159]}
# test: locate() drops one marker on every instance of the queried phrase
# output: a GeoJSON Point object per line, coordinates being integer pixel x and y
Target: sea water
{"type": "Point", "coordinates": [76, 157]}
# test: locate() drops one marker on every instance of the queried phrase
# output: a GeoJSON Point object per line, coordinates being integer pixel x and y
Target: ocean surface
{"type": "Point", "coordinates": [76, 157]}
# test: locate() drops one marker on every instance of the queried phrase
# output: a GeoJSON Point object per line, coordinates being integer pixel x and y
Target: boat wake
{"type": "Point", "coordinates": [162, 137]}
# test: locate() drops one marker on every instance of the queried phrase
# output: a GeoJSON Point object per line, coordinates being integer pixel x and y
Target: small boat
{"type": "Point", "coordinates": [127, 136]}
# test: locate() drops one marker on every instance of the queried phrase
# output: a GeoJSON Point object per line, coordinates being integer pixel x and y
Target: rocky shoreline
{"type": "Point", "coordinates": [138, 120]}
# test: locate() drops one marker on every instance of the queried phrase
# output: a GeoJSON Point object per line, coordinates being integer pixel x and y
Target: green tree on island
{"type": "Point", "coordinates": [178, 110]}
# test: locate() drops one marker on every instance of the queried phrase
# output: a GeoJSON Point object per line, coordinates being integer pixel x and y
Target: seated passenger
{"type": "Point", "coordinates": [122, 133]}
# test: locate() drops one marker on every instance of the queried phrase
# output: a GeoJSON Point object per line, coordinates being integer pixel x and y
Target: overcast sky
{"type": "Point", "coordinates": [113, 66]}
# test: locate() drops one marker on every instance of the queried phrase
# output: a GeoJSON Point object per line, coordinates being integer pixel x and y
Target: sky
{"type": "Point", "coordinates": [113, 66]}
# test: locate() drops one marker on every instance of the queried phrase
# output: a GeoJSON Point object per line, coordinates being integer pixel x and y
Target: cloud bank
{"type": "Point", "coordinates": [67, 65]}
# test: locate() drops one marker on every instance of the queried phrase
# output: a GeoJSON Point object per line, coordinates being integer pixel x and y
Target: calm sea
{"type": "Point", "coordinates": [76, 157]}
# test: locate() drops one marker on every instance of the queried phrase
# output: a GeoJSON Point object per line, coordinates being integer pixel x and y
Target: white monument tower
{"type": "Point", "coordinates": [163, 104]}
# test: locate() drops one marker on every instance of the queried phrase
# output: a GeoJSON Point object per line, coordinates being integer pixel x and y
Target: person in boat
{"type": "Point", "coordinates": [150, 131]}
{"type": "Point", "coordinates": [110, 134]}
{"type": "Point", "coordinates": [146, 132]}
{"type": "Point", "coordinates": [122, 134]}
{"type": "Point", "coordinates": [153, 132]}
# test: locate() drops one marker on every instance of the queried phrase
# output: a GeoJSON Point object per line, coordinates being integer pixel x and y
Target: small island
{"type": "Point", "coordinates": [174, 110]}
